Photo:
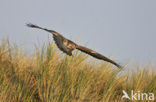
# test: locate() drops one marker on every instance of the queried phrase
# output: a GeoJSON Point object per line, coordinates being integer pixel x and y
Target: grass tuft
{"type": "Point", "coordinates": [49, 76]}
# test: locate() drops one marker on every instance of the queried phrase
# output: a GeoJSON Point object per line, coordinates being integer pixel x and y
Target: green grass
{"type": "Point", "coordinates": [49, 76]}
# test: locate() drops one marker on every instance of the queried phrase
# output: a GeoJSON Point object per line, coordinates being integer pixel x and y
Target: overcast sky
{"type": "Point", "coordinates": [122, 29]}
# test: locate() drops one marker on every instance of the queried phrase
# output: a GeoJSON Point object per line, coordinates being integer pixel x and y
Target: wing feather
{"type": "Point", "coordinates": [96, 55]}
{"type": "Point", "coordinates": [50, 31]}
{"type": "Point", "coordinates": [58, 38]}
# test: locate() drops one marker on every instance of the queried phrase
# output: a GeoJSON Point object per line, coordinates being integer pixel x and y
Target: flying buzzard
{"type": "Point", "coordinates": [67, 46]}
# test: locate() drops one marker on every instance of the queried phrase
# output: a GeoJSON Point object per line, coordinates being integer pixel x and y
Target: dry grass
{"type": "Point", "coordinates": [47, 76]}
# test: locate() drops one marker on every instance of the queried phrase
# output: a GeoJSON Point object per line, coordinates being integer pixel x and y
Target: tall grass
{"type": "Point", "coordinates": [49, 76]}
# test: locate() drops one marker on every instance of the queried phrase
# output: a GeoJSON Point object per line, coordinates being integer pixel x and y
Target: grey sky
{"type": "Point", "coordinates": [122, 29]}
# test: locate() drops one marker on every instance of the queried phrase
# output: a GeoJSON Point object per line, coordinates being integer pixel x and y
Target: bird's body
{"type": "Point", "coordinates": [67, 46]}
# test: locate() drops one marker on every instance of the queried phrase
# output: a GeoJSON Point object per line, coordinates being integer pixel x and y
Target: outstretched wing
{"type": "Point", "coordinates": [58, 38]}
{"type": "Point", "coordinates": [50, 31]}
{"type": "Point", "coordinates": [96, 55]}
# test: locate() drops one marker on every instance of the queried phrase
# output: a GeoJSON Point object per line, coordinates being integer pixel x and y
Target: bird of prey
{"type": "Point", "coordinates": [67, 46]}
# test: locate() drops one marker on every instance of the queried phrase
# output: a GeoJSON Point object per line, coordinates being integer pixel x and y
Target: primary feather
{"type": "Point", "coordinates": [96, 55]}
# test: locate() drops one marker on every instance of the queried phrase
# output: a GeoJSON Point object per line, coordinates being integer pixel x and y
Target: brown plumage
{"type": "Point", "coordinates": [67, 46]}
